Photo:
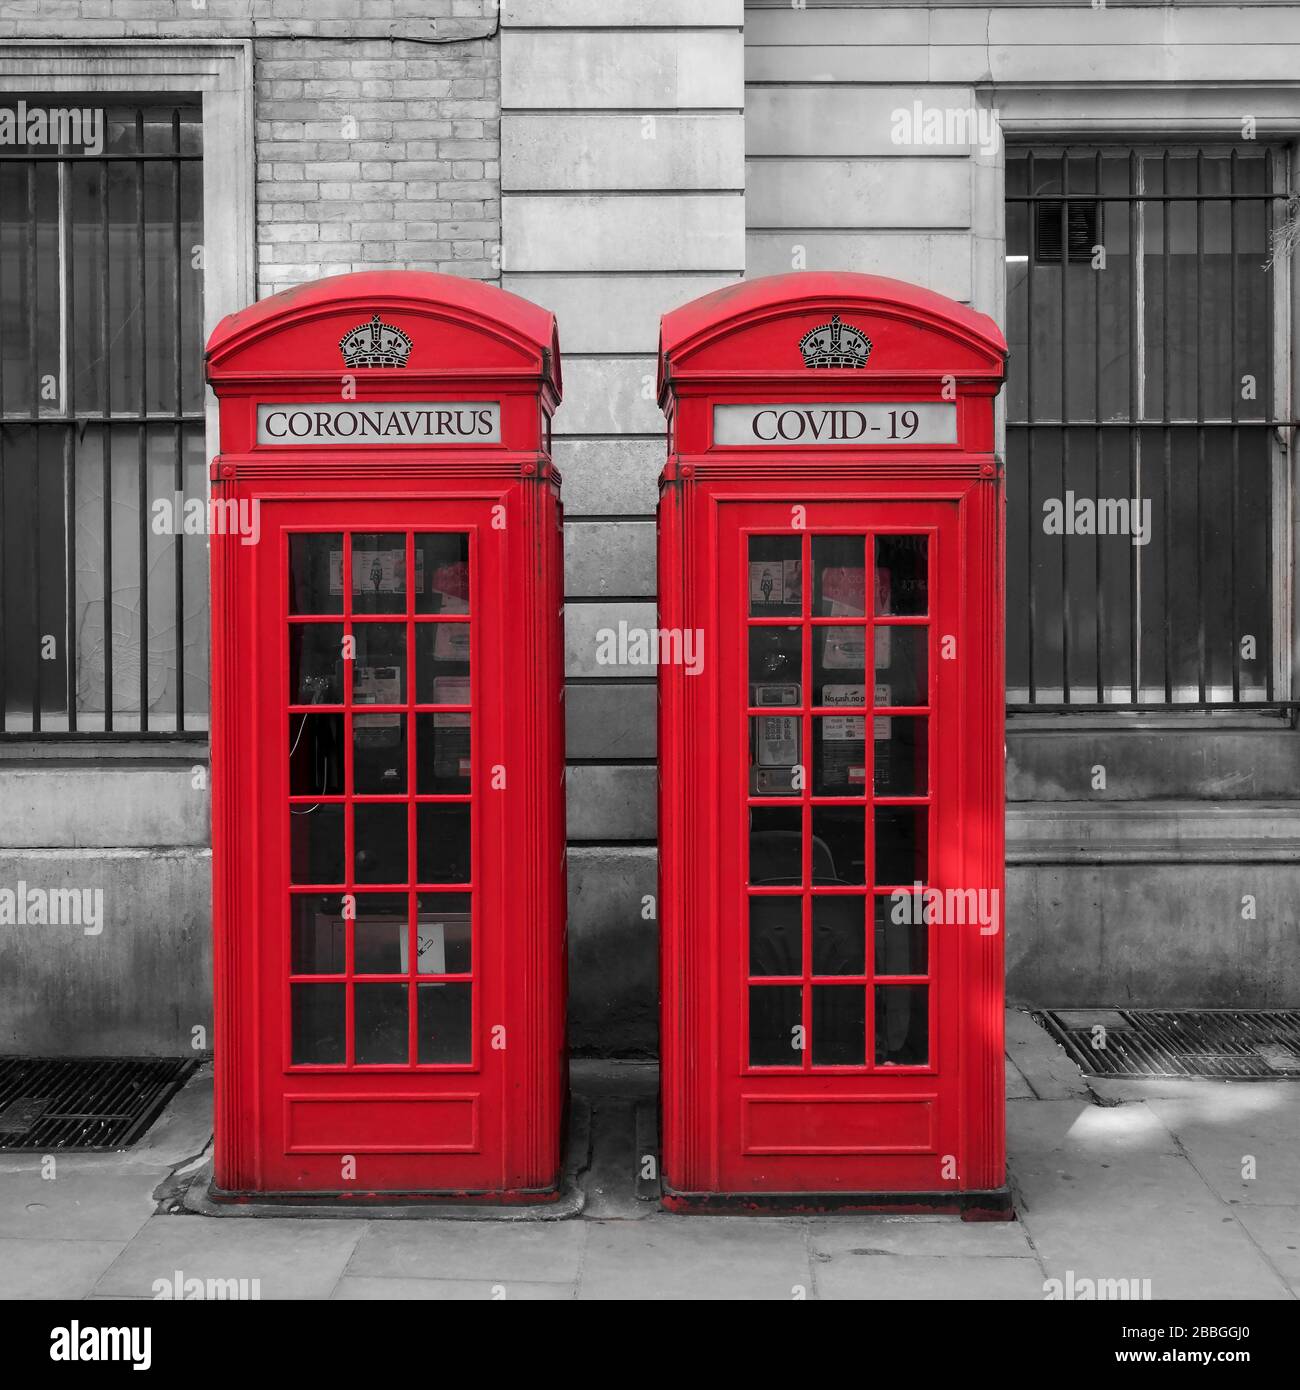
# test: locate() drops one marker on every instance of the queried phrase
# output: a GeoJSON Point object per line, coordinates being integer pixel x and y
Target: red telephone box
{"type": "Point", "coordinates": [387, 746]}
{"type": "Point", "coordinates": [830, 539]}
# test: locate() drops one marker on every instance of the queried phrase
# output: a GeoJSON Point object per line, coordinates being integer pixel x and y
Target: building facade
{"type": "Point", "coordinates": [1111, 183]}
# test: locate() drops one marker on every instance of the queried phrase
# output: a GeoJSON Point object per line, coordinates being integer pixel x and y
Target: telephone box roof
{"type": "Point", "coordinates": [704, 322]}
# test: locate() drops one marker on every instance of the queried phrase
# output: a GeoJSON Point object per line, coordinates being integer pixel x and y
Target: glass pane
{"type": "Point", "coordinates": [380, 842]}
{"type": "Point", "coordinates": [775, 666]}
{"type": "Point", "coordinates": [775, 845]}
{"type": "Point", "coordinates": [316, 573]}
{"type": "Point", "coordinates": [444, 843]}
{"type": "Point", "coordinates": [444, 1023]}
{"type": "Point", "coordinates": [317, 935]}
{"type": "Point", "coordinates": [379, 572]}
{"type": "Point", "coordinates": [443, 934]}
{"type": "Point", "coordinates": [442, 652]}
{"type": "Point", "coordinates": [315, 755]}
{"type": "Point", "coordinates": [839, 577]}
{"type": "Point", "coordinates": [902, 575]}
{"type": "Point", "coordinates": [901, 844]}
{"type": "Point", "coordinates": [441, 572]}
{"type": "Point", "coordinates": [839, 1026]}
{"type": "Point", "coordinates": [775, 1025]}
{"type": "Point", "coordinates": [315, 663]}
{"type": "Point", "coordinates": [840, 754]}
{"type": "Point", "coordinates": [378, 753]}
{"type": "Point", "coordinates": [774, 754]}
{"type": "Point", "coordinates": [902, 665]}
{"type": "Point", "coordinates": [379, 934]}
{"type": "Point", "coordinates": [902, 1025]}
{"type": "Point", "coordinates": [839, 665]}
{"type": "Point", "coordinates": [380, 1023]}
{"type": "Point", "coordinates": [901, 935]}
{"type": "Point", "coordinates": [839, 936]}
{"type": "Point", "coordinates": [318, 1022]}
{"type": "Point", "coordinates": [839, 844]}
{"type": "Point", "coordinates": [775, 578]}
{"type": "Point", "coordinates": [902, 755]}
{"type": "Point", "coordinates": [29, 286]}
{"type": "Point", "coordinates": [776, 935]}
{"type": "Point", "coordinates": [316, 844]}
{"type": "Point", "coordinates": [379, 671]}
{"type": "Point", "coordinates": [442, 753]}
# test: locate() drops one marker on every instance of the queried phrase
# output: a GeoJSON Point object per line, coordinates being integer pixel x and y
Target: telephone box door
{"type": "Point", "coordinates": [840, 1014]}
{"type": "Point", "coordinates": [380, 947]}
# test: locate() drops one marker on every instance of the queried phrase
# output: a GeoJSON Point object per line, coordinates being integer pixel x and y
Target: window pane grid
{"type": "Point", "coordinates": [810, 983]}
{"type": "Point", "coordinates": [406, 1000]}
{"type": "Point", "coordinates": [101, 421]}
{"type": "Point", "coordinates": [1140, 430]}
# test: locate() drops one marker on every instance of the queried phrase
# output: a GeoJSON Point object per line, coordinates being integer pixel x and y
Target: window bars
{"type": "Point", "coordinates": [1146, 555]}
{"type": "Point", "coordinates": [103, 602]}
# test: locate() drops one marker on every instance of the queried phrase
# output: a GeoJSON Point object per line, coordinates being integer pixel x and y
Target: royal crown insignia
{"type": "Point", "coordinates": [375, 344]}
{"type": "Point", "coordinates": [835, 344]}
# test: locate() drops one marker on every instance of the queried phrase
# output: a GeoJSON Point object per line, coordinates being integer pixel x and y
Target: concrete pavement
{"type": "Point", "coordinates": [1192, 1186]}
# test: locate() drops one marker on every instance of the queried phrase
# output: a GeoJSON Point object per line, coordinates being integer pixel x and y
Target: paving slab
{"type": "Point", "coordinates": [54, 1268]}
{"type": "Point", "coordinates": [1138, 1215]}
{"type": "Point", "coordinates": [474, 1250]}
{"type": "Point", "coordinates": [364, 1288]}
{"type": "Point", "coordinates": [1018, 1088]}
{"type": "Point", "coordinates": [697, 1257]}
{"type": "Point", "coordinates": [1276, 1231]}
{"type": "Point", "coordinates": [893, 1277]}
{"type": "Point", "coordinates": [1241, 1138]}
{"type": "Point", "coordinates": [1042, 1061]}
{"type": "Point", "coordinates": [291, 1259]}
{"type": "Point", "coordinates": [90, 1197]}
{"type": "Point", "coordinates": [919, 1235]}
{"type": "Point", "coordinates": [1075, 1127]}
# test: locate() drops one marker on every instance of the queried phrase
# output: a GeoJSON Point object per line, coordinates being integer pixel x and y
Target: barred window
{"type": "Point", "coordinates": [1145, 500]}
{"type": "Point", "coordinates": [103, 602]}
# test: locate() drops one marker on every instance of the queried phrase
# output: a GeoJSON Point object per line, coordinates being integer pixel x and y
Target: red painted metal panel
{"type": "Point", "coordinates": [388, 745]}
{"type": "Point", "coordinates": [831, 923]}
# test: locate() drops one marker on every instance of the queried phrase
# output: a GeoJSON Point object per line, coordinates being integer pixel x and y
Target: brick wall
{"type": "Point", "coordinates": [378, 122]}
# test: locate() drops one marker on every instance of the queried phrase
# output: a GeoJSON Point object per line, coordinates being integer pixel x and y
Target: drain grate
{"type": "Point", "coordinates": [1228, 1044]}
{"type": "Point", "coordinates": [87, 1103]}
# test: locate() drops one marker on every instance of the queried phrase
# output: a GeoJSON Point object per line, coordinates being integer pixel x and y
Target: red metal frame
{"type": "Point", "coordinates": [487, 1126]}
{"type": "Point", "coordinates": [860, 1134]}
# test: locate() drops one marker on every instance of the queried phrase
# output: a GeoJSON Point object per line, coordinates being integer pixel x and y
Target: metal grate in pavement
{"type": "Point", "coordinates": [1228, 1044]}
{"type": "Point", "coordinates": [86, 1103]}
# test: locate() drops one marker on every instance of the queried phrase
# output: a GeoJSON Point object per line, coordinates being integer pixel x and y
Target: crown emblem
{"type": "Point", "coordinates": [375, 344]}
{"type": "Point", "coordinates": [835, 344]}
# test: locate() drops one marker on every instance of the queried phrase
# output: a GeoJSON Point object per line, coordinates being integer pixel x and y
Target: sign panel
{"type": "Point", "coordinates": [804, 422]}
{"type": "Point", "coordinates": [379, 422]}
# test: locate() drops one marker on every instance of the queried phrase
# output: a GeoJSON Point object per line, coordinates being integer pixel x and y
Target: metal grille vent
{"type": "Point", "coordinates": [87, 1103]}
{"type": "Point", "coordinates": [1083, 229]}
{"type": "Point", "coordinates": [1228, 1044]}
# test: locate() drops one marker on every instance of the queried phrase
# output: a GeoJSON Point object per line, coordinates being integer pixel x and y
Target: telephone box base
{"type": "Point", "coordinates": [559, 1203]}
{"type": "Point", "coordinates": [995, 1204]}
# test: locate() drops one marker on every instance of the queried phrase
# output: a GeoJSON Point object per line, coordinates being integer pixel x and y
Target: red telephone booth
{"type": "Point", "coordinates": [830, 538]}
{"type": "Point", "coordinates": [387, 746]}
